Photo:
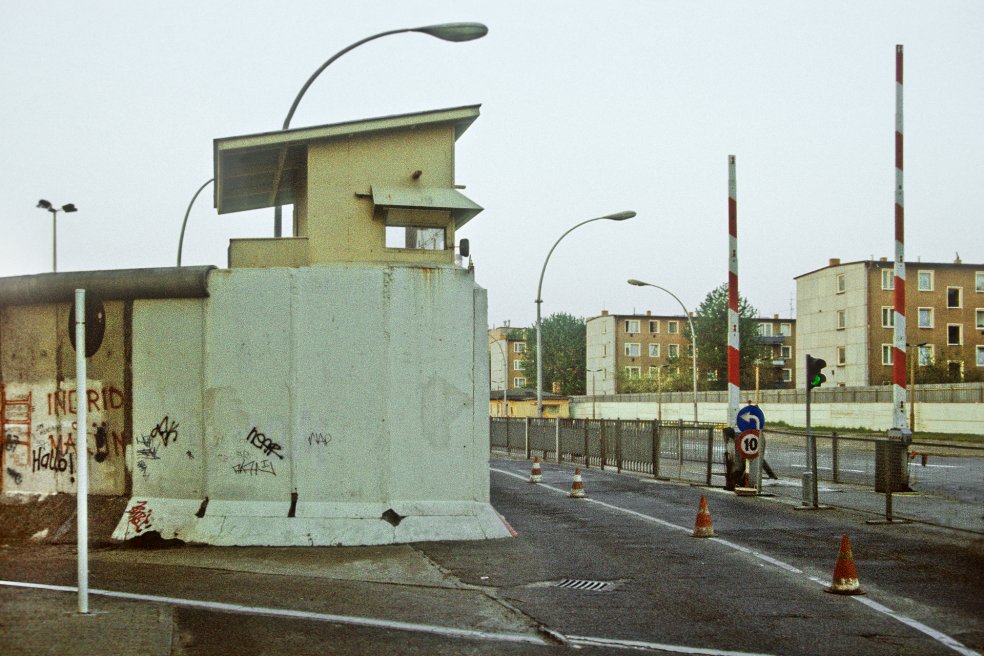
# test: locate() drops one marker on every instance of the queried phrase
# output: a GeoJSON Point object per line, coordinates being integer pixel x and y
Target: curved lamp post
{"type": "Point", "coordinates": [187, 212]}
{"type": "Point", "coordinates": [455, 32]}
{"type": "Point", "coordinates": [505, 377]}
{"type": "Point", "coordinates": [693, 333]}
{"type": "Point", "coordinates": [619, 216]}
{"type": "Point", "coordinates": [45, 205]}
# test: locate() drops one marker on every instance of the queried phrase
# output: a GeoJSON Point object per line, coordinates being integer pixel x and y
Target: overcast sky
{"type": "Point", "coordinates": [587, 109]}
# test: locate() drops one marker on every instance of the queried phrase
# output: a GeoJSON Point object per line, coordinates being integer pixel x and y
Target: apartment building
{"type": "Point", "coordinates": [507, 351]}
{"type": "Point", "coordinates": [648, 345]}
{"type": "Point", "coordinates": [845, 315]}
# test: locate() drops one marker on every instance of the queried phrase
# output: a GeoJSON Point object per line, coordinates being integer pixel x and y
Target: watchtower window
{"type": "Point", "coordinates": [416, 238]}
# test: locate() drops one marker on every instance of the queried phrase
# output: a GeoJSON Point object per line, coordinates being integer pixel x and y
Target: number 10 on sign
{"type": "Point", "coordinates": [750, 444]}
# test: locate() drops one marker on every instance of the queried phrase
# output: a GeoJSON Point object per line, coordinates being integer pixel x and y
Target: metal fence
{"type": "Point", "coordinates": [680, 450]}
{"type": "Point", "coordinates": [936, 483]}
{"type": "Point", "coordinates": [942, 393]}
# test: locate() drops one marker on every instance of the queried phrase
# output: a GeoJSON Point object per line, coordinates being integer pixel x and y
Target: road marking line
{"type": "Point", "coordinates": [445, 631]}
{"type": "Point", "coordinates": [587, 641]}
{"type": "Point", "coordinates": [919, 626]}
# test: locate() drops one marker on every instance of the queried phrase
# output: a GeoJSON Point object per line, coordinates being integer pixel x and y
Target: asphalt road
{"type": "Point", "coordinates": [755, 589]}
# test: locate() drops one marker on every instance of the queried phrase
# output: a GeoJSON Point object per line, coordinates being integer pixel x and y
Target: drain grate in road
{"type": "Point", "coordinates": [581, 584]}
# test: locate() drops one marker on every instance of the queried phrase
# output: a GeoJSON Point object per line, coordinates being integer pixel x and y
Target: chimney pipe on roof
{"type": "Point", "coordinates": [834, 261]}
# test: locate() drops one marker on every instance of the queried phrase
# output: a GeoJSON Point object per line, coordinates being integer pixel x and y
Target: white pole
{"type": "Point", "coordinates": [82, 450]}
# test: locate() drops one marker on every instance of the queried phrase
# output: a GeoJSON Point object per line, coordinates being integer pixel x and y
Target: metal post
{"type": "Point", "coordinates": [82, 449]}
{"type": "Point", "coordinates": [680, 440]}
{"type": "Point", "coordinates": [604, 450]}
{"type": "Point", "coordinates": [898, 336]}
{"type": "Point", "coordinates": [812, 447]}
{"type": "Point", "coordinates": [54, 242]}
{"type": "Point", "coordinates": [710, 453]}
{"type": "Point", "coordinates": [587, 445]}
{"type": "Point", "coordinates": [557, 439]}
{"type": "Point", "coordinates": [656, 429]}
{"type": "Point", "coordinates": [526, 438]}
{"type": "Point", "coordinates": [618, 445]}
{"type": "Point", "coordinates": [834, 457]}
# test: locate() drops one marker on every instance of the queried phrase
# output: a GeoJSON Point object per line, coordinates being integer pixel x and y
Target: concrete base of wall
{"type": "Point", "coordinates": [254, 523]}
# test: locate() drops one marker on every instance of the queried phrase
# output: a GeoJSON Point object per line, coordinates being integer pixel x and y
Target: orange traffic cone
{"type": "Point", "coordinates": [703, 528]}
{"type": "Point", "coordinates": [845, 579]}
{"type": "Point", "coordinates": [577, 488]}
{"type": "Point", "coordinates": [536, 475]}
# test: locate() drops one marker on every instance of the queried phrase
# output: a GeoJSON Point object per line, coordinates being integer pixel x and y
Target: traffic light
{"type": "Point", "coordinates": [814, 372]}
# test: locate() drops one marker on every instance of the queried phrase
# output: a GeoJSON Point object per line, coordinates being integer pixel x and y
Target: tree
{"type": "Point", "coordinates": [711, 325]}
{"type": "Point", "coordinates": [564, 338]}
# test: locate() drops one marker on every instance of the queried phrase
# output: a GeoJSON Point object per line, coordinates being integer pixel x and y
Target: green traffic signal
{"type": "Point", "coordinates": [814, 373]}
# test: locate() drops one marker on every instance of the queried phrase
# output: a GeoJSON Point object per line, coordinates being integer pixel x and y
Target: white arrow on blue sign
{"type": "Point", "coordinates": [750, 417]}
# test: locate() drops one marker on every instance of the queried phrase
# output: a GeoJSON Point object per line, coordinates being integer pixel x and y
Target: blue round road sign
{"type": "Point", "coordinates": [750, 417]}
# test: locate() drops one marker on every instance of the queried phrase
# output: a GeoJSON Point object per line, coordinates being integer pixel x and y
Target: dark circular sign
{"type": "Point", "coordinates": [95, 324]}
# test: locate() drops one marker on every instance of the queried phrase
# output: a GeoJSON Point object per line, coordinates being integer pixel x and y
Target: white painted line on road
{"type": "Point", "coordinates": [933, 633]}
{"type": "Point", "coordinates": [587, 641]}
{"type": "Point", "coordinates": [915, 624]}
{"type": "Point", "coordinates": [445, 631]}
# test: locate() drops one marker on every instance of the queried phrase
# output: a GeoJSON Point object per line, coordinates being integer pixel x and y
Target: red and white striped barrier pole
{"type": "Point", "coordinates": [899, 335]}
{"type": "Point", "coordinates": [734, 385]}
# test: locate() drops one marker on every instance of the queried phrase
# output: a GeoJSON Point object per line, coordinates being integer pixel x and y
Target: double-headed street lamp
{"type": "Point", "coordinates": [619, 216]}
{"type": "Point", "coordinates": [45, 205]}
{"type": "Point", "coordinates": [455, 32]}
{"type": "Point", "coordinates": [693, 333]}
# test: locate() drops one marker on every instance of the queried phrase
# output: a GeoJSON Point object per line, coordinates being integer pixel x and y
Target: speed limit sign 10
{"type": "Point", "coordinates": [749, 444]}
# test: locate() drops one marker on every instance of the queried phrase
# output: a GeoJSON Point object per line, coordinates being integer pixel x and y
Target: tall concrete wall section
{"type": "Point", "coordinates": [40, 403]}
{"type": "Point", "coordinates": [600, 355]}
{"type": "Point", "coordinates": [169, 454]}
{"type": "Point", "coordinates": [819, 302]}
{"type": "Point", "coordinates": [342, 404]}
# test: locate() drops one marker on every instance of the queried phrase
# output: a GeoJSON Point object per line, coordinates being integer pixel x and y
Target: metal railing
{"type": "Point", "coordinates": [936, 483]}
{"type": "Point", "coordinates": [943, 393]}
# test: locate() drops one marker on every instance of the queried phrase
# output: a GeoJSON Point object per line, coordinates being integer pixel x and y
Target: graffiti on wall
{"type": "Point", "coordinates": [319, 438]}
{"type": "Point", "coordinates": [250, 466]}
{"type": "Point", "coordinates": [165, 432]}
{"type": "Point", "coordinates": [139, 516]}
{"type": "Point", "coordinates": [264, 443]}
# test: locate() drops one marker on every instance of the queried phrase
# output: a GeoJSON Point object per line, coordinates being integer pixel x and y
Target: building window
{"type": "Point", "coordinates": [888, 278]}
{"type": "Point", "coordinates": [954, 334]}
{"type": "Point", "coordinates": [631, 325]}
{"type": "Point", "coordinates": [979, 322]}
{"type": "Point", "coordinates": [654, 350]}
{"type": "Point", "coordinates": [654, 326]}
{"type": "Point", "coordinates": [519, 347]}
{"type": "Point", "coordinates": [415, 237]}
{"type": "Point", "coordinates": [841, 283]}
{"type": "Point", "coordinates": [785, 352]}
{"type": "Point", "coordinates": [673, 327]}
{"type": "Point", "coordinates": [632, 372]}
{"type": "Point", "coordinates": [653, 372]}
{"type": "Point", "coordinates": [764, 329]}
{"type": "Point", "coordinates": [712, 375]}
{"type": "Point", "coordinates": [926, 355]}
{"type": "Point", "coordinates": [888, 317]}
{"type": "Point", "coordinates": [787, 375]}
{"type": "Point", "coordinates": [517, 365]}
{"type": "Point", "coordinates": [673, 350]}
{"type": "Point", "coordinates": [674, 370]}
{"type": "Point", "coordinates": [841, 320]}
{"type": "Point", "coordinates": [925, 317]}
{"type": "Point", "coordinates": [519, 381]}
{"type": "Point", "coordinates": [887, 354]}
{"type": "Point", "coordinates": [785, 329]}
{"type": "Point", "coordinates": [841, 356]}
{"type": "Point", "coordinates": [925, 281]}
{"type": "Point", "coordinates": [690, 350]}
{"type": "Point", "coordinates": [632, 349]}
{"type": "Point", "coordinates": [980, 356]}
{"type": "Point", "coordinates": [953, 297]}
{"type": "Point", "coordinates": [979, 281]}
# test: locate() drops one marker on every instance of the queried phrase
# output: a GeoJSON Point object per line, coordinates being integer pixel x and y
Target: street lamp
{"type": "Point", "coordinates": [618, 216]}
{"type": "Point", "coordinates": [45, 205]}
{"type": "Point", "coordinates": [505, 377]}
{"type": "Point", "coordinates": [594, 390]}
{"type": "Point", "coordinates": [187, 212]}
{"type": "Point", "coordinates": [693, 333]}
{"type": "Point", "coordinates": [454, 32]}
